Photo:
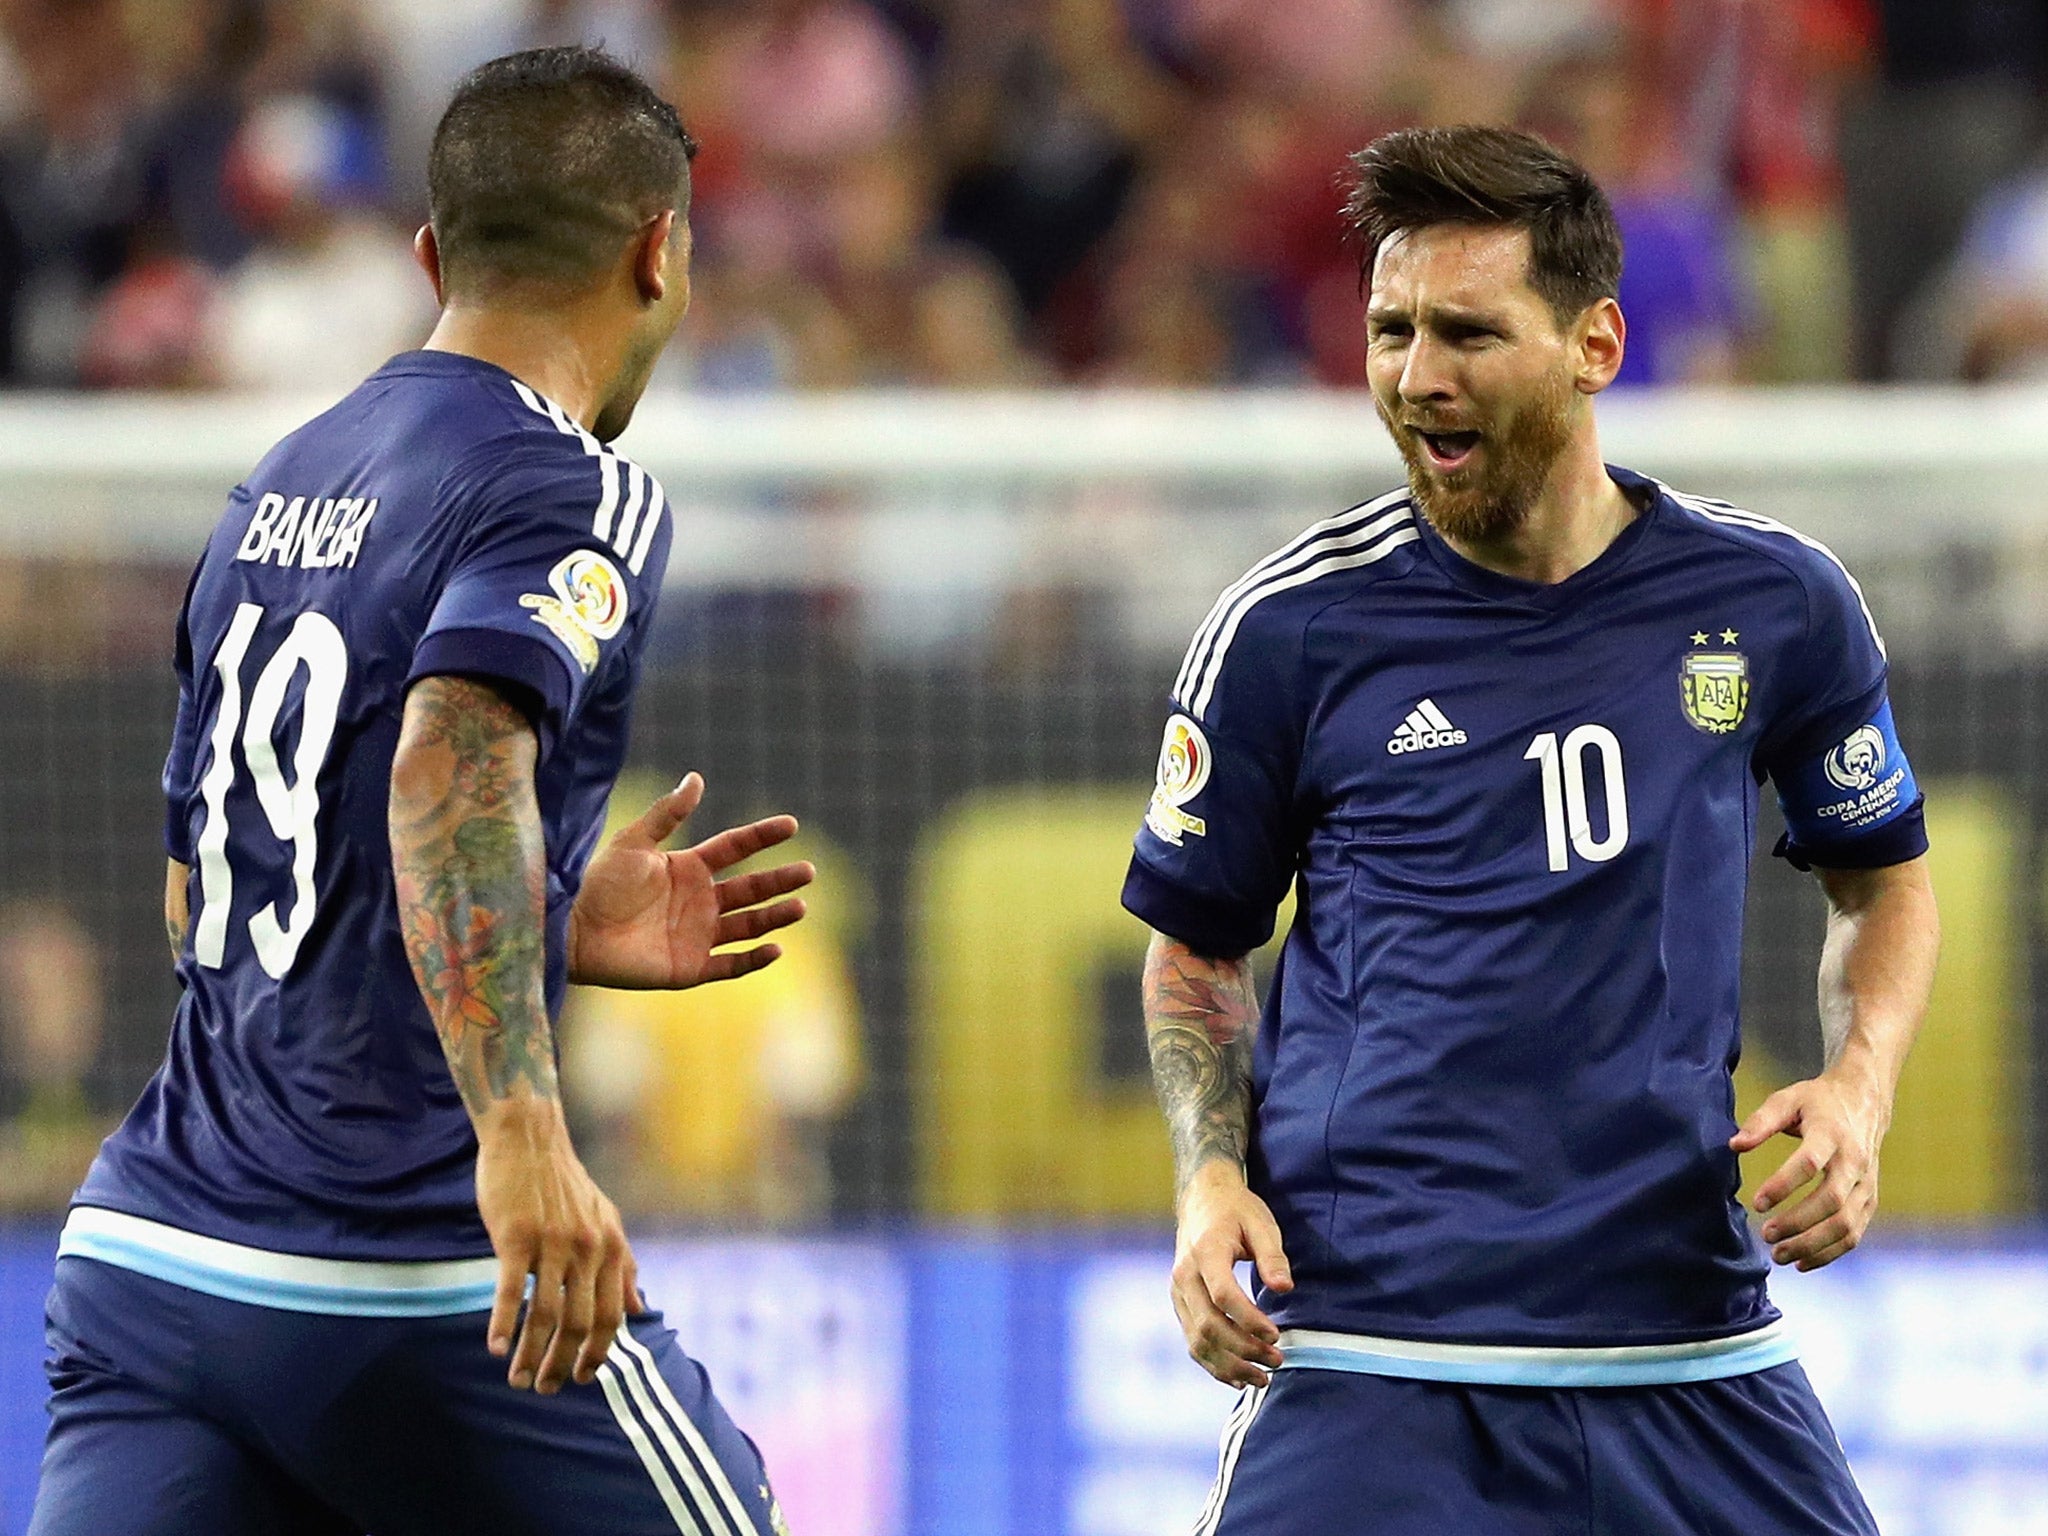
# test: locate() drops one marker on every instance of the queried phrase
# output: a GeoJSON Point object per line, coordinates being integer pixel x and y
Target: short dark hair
{"type": "Point", "coordinates": [545, 161]}
{"type": "Point", "coordinates": [1469, 174]}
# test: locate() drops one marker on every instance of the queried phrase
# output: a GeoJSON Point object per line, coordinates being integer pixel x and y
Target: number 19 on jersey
{"type": "Point", "coordinates": [293, 810]}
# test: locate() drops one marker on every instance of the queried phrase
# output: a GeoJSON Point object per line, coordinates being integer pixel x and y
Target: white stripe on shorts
{"type": "Point", "coordinates": [627, 1364]}
{"type": "Point", "coordinates": [650, 1458]}
{"type": "Point", "coordinates": [1234, 1430]}
{"type": "Point", "coordinates": [714, 1470]}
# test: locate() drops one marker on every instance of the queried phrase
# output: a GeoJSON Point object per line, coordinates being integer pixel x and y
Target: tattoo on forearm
{"type": "Point", "coordinates": [177, 908]}
{"type": "Point", "coordinates": [1201, 1017]}
{"type": "Point", "coordinates": [471, 866]}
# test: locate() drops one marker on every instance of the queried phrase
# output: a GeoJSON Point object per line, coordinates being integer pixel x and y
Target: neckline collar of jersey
{"type": "Point", "coordinates": [446, 364]}
{"type": "Point", "coordinates": [440, 360]}
{"type": "Point", "coordinates": [1550, 594]}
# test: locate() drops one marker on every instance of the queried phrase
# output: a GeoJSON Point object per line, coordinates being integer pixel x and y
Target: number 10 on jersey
{"type": "Point", "coordinates": [1567, 828]}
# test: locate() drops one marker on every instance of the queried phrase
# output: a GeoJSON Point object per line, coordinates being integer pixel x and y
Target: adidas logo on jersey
{"type": "Point", "coordinates": [1425, 727]}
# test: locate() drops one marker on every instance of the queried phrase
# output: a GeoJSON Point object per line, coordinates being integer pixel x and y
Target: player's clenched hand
{"type": "Point", "coordinates": [1221, 1221]}
{"type": "Point", "coordinates": [549, 1221]}
{"type": "Point", "coordinates": [646, 917]}
{"type": "Point", "coordinates": [1840, 1124]}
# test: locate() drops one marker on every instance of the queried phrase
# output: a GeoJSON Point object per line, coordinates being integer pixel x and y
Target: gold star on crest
{"type": "Point", "coordinates": [1729, 637]}
{"type": "Point", "coordinates": [1699, 637]}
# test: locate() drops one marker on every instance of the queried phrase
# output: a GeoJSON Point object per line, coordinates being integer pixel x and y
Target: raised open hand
{"type": "Point", "coordinates": [651, 918]}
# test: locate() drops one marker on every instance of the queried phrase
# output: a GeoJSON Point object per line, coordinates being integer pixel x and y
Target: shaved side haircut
{"type": "Point", "coordinates": [544, 164]}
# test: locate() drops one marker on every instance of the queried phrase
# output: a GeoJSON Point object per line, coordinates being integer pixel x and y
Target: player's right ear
{"type": "Point", "coordinates": [426, 250]}
{"type": "Point", "coordinates": [659, 259]}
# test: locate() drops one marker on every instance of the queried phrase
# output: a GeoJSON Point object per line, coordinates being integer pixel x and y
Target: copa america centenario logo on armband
{"type": "Point", "coordinates": [1183, 769]}
{"type": "Point", "coordinates": [588, 604]}
{"type": "Point", "coordinates": [1714, 687]}
{"type": "Point", "coordinates": [1858, 762]}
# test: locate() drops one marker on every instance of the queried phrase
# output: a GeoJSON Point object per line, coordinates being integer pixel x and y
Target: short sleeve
{"type": "Point", "coordinates": [1217, 849]}
{"type": "Point", "coordinates": [560, 561]}
{"type": "Point", "coordinates": [1833, 753]}
{"type": "Point", "coordinates": [181, 763]}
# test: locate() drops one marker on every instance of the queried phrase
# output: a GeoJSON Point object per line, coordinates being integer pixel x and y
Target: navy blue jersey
{"type": "Point", "coordinates": [1492, 1091]}
{"type": "Point", "coordinates": [443, 519]}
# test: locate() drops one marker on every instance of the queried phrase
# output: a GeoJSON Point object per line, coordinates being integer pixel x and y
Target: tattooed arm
{"type": "Point", "coordinates": [177, 906]}
{"type": "Point", "coordinates": [1201, 1017]}
{"type": "Point", "coordinates": [471, 869]}
{"type": "Point", "coordinates": [472, 874]}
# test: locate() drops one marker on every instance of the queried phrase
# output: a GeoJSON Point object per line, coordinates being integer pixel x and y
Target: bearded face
{"type": "Point", "coordinates": [1476, 479]}
{"type": "Point", "coordinates": [1474, 375]}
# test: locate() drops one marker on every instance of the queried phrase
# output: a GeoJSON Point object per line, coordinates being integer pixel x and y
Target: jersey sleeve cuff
{"type": "Point", "coordinates": [1902, 838]}
{"type": "Point", "coordinates": [1220, 930]}
{"type": "Point", "coordinates": [542, 687]}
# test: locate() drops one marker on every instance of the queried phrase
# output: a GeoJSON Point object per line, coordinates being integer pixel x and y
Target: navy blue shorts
{"type": "Point", "coordinates": [1322, 1451]}
{"type": "Point", "coordinates": [174, 1413]}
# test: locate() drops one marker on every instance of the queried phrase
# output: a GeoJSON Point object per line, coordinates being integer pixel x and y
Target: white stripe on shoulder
{"type": "Point", "coordinates": [1738, 517]}
{"type": "Point", "coordinates": [608, 475]}
{"type": "Point", "coordinates": [636, 1434]}
{"type": "Point", "coordinates": [1389, 533]}
{"type": "Point", "coordinates": [542, 405]}
{"type": "Point", "coordinates": [636, 489]}
{"type": "Point", "coordinates": [657, 507]}
{"type": "Point", "coordinates": [714, 1470]}
{"type": "Point", "coordinates": [526, 393]}
{"type": "Point", "coordinates": [608, 495]}
{"type": "Point", "coordinates": [1317, 534]}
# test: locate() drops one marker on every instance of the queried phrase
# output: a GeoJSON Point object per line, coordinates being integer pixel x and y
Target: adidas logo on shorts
{"type": "Point", "coordinates": [1425, 727]}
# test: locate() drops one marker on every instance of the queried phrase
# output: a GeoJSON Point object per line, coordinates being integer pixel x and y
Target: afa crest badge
{"type": "Point", "coordinates": [1714, 688]}
{"type": "Point", "coordinates": [587, 604]}
{"type": "Point", "coordinates": [1184, 763]}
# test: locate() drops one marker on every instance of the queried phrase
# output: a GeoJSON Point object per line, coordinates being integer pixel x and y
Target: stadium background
{"type": "Point", "coordinates": [1022, 327]}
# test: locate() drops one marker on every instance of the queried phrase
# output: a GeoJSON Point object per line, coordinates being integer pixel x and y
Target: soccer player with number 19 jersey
{"type": "Point", "coordinates": [1504, 734]}
{"type": "Point", "coordinates": [406, 665]}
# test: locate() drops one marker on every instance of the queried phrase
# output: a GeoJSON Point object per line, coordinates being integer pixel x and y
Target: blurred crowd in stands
{"type": "Point", "coordinates": [1003, 193]}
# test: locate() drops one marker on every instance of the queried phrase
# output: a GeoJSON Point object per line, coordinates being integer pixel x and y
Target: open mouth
{"type": "Point", "coordinates": [1448, 450]}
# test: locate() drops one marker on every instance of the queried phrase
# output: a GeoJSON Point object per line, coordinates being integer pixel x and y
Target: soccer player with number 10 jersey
{"type": "Point", "coordinates": [1503, 734]}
